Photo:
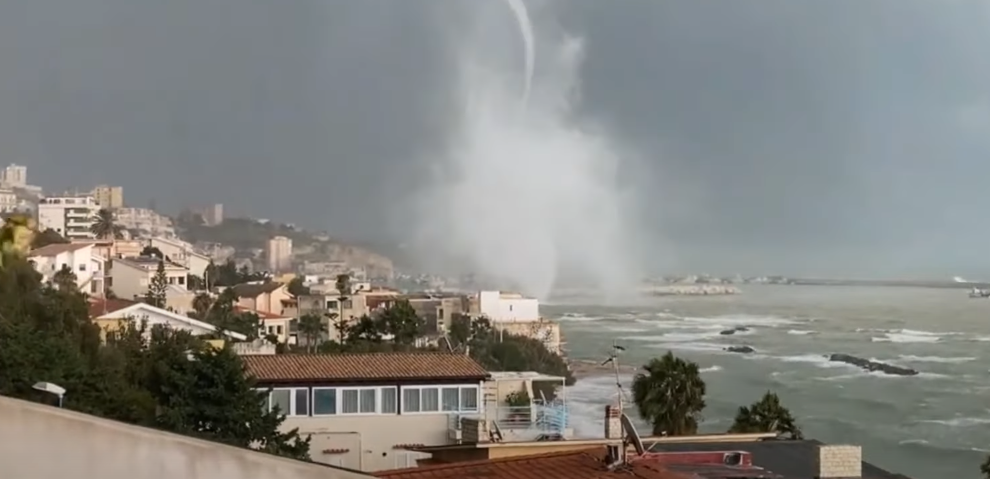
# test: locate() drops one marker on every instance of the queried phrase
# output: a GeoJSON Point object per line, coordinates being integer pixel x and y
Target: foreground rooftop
{"type": "Point", "coordinates": [288, 368]}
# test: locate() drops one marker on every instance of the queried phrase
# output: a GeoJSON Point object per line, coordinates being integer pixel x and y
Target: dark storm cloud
{"type": "Point", "coordinates": [800, 135]}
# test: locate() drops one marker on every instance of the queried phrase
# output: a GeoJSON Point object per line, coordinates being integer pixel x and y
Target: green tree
{"type": "Point", "coordinates": [297, 288]}
{"type": "Point", "coordinates": [985, 468]}
{"type": "Point", "coordinates": [365, 329]}
{"type": "Point", "coordinates": [311, 327]}
{"type": "Point", "coordinates": [64, 279]}
{"type": "Point", "coordinates": [337, 318]}
{"type": "Point", "coordinates": [105, 225]}
{"type": "Point", "coordinates": [201, 304]}
{"type": "Point", "coordinates": [766, 415]}
{"type": "Point", "coordinates": [670, 394]}
{"type": "Point", "coordinates": [402, 323]}
{"type": "Point", "coordinates": [157, 294]}
{"type": "Point", "coordinates": [152, 251]}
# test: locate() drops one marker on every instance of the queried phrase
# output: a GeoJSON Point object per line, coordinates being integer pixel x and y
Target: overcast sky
{"type": "Point", "coordinates": [800, 136]}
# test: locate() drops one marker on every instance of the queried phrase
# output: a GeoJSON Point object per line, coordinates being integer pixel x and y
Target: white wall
{"type": "Point", "coordinates": [499, 307]}
{"type": "Point", "coordinates": [83, 263]}
{"type": "Point", "coordinates": [130, 279]}
{"type": "Point", "coordinates": [69, 216]}
{"type": "Point", "coordinates": [42, 442]}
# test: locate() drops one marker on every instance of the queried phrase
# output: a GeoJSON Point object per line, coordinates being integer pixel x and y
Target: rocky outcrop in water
{"type": "Point", "coordinates": [737, 329]}
{"type": "Point", "coordinates": [740, 349]}
{"type": "Point", "coordinates": [872, 365]}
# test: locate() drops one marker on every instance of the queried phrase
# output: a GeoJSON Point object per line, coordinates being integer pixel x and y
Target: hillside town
{"type": "Point", "coordinates": [199, 324]}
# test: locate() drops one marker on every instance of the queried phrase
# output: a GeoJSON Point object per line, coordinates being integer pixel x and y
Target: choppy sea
{"type": "Point", "coordinates": [932, 426]}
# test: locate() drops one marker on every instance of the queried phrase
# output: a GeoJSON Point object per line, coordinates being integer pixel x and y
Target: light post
{"type": "Point", "coordinates": [51, 388]}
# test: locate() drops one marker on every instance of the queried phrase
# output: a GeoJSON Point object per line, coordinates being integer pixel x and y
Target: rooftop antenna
{"type": "Point", "coordinates": [613, 359]}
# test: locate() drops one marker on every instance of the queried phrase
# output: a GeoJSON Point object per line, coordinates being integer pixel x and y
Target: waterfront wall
{"type": "Point", "coordinates": [43, 442]}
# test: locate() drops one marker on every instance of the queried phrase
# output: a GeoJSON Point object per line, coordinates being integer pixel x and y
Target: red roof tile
{"type": "Point", "coordinates": [363, 367]}
{"type": "Point", "coordinates": [56, 249]}
{"type": "Point", "coordinates": [99, 307]}
{"type": "Point", "coordinates": [581, 464]}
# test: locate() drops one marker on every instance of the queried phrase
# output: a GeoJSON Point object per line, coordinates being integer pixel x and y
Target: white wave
{"type": "Point", "coordinates": [743, 320]}
{"type": "Point", "coordinates": [815, 359]}
{"type": "Point", "coordinates": [579, 317]}
{"type": "Point", "coordinates": [905, 338]}
{"type": "Point", "coordinates": [936, 359]}
{"type": "Point", "coordinates": [675, 337]}
{"type": "Point", "coordinates": [959, 421]}
{"type": "Point", "coordinates": [880, 375]}
{"type": "Point", "coordinates": [800, 332]}
{"type": "Point", "coordinates": [688, 346]}
{"type": "Point", "coordinates": [625, 329]}
{"type": "Point", "coordinates": [711, 369]}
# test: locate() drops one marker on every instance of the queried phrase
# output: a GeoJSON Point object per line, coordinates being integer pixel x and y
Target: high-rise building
{"type": "Point", "coordinates": [279, 254]}
{"type": "Point", "coordinates": [14, 176]}
{"type": "Point", "coordinates": [70, 216]}
{"type": "Point", "coordinates": [111, 197]}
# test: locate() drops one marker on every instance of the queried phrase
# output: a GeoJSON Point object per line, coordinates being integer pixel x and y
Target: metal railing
{"type": "Point", "coordinates": [549, 418]}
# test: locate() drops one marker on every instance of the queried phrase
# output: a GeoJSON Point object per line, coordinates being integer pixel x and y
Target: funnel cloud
{"type": "Point", "coordinates": [523, 195]}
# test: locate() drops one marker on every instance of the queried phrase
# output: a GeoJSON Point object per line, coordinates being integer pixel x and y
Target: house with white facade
{"type": "Point", "coordinates": [81, 259]}
{"type": "Point", "coordinates": [181, 252]}
{"type": "Point", "coordinates": [108, 314]}
{"type": "Point", "coordinates": [145, 222]}
{"type": "Point", "coordinates": [132, 276]}
{"type": "Point", "coordinates": [70, 216]}
{"type": "Point", "coordinates": [516, 314]}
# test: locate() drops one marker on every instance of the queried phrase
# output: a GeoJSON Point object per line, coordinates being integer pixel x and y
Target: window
{"type": "Point", "coordinates": [358, 400]}
{"type": "Point", "coordinates": [390, 401]}
{"type": "Point", "coordinates": [82, 267]}
{"type": "Point", "coordinates": [290, 402]}
{"type": "Point", "coordinates": [182, 280]}
{"type": "Point", "coordinates": [331, 305]}
{"type": "Point", "coordinates": [324, 401]}
{"type": "Point", "coordinates": [428, 399]}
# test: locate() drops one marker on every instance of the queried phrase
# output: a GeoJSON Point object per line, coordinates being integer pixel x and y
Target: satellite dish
{"type": "Point", "coordinates": [631, 435]}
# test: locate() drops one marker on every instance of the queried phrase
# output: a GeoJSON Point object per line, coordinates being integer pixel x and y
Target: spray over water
{"type": "Point", "coordinates": [526, 196]}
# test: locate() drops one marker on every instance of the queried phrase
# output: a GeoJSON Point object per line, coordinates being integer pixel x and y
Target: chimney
{"type": "Point", "coordinates": [839, 462]}
{"type": "Point", "coordinates": [613, 423]}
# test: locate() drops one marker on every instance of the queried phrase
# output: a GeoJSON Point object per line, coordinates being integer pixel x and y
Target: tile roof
{"type": "Point", "coordinates": [57, 248]}
{"type": "Point", "coordinates": [253, 290]}
{"type": "Point", "coordinates": [789, 459]}
{"type": "Point", "coordinates": [363, 367]}
{"type": "Point", "coordinates": [99, 306]}
{"type": "Point", "coordinates": [261, 314]}
{"type": "Point", "coordinates": [581, 464]}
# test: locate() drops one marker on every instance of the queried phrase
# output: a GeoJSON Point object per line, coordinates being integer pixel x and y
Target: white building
{"type": "Point", "coordinates": [9, 201]}
{"type": "Point", "coordinates": [146, 222]}
{"type": "Point", "coordinates": [504, 307]}
{"type": "Point", "coordinates": [80, 258]}
{"type": "Point", "coordinates": [182, 253]}
{"type": "Point", "coordinates": [279, 254]}
{"type": "Point", "coordinates": [14, 176]}
{"type": "Point", "coordinates": [104, 312]}
{"type": "Point", "coordinates": [132, 276]}
{"type": "Point", "coordinates": [70, 216]}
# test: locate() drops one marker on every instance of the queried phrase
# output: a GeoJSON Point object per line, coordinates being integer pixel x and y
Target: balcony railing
{"type": "Point", "coordinates": [536, 419]}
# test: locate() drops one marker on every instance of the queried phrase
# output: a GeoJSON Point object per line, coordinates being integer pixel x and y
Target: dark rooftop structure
{"type": "Point", "coordinates": [788, 459]}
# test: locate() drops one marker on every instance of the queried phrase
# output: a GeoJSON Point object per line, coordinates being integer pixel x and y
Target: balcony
{"type": "Point", "coordinates": [540, 421]}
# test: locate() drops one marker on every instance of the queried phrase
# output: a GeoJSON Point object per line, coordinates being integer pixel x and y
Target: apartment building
{"type": "Point", "coordinates": [145, 222]}
{"type": "Point", "coordinates": [109, 196]}
{"type": "Point", "coordinates": [9, 202]}
{"type": "Point", "coordinates": [70, 216]}
{"type": "Point", "coordinates": [279, 253]}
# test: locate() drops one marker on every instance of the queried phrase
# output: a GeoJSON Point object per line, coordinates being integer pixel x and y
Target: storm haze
{"type": "Point", "coordinates": [802, 137]}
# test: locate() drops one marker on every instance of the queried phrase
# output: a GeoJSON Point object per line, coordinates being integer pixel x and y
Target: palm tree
{"type": "Point", "coordinates": [340, 322]}
{"type": "Point", "coordinates": [105, 225]}
{"type": "Point", "coordinates": [766, 415]}
{"type": "Point", "coordinates": [311, 327]}
{"type": "Point", "coordinates": [671, 395]}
